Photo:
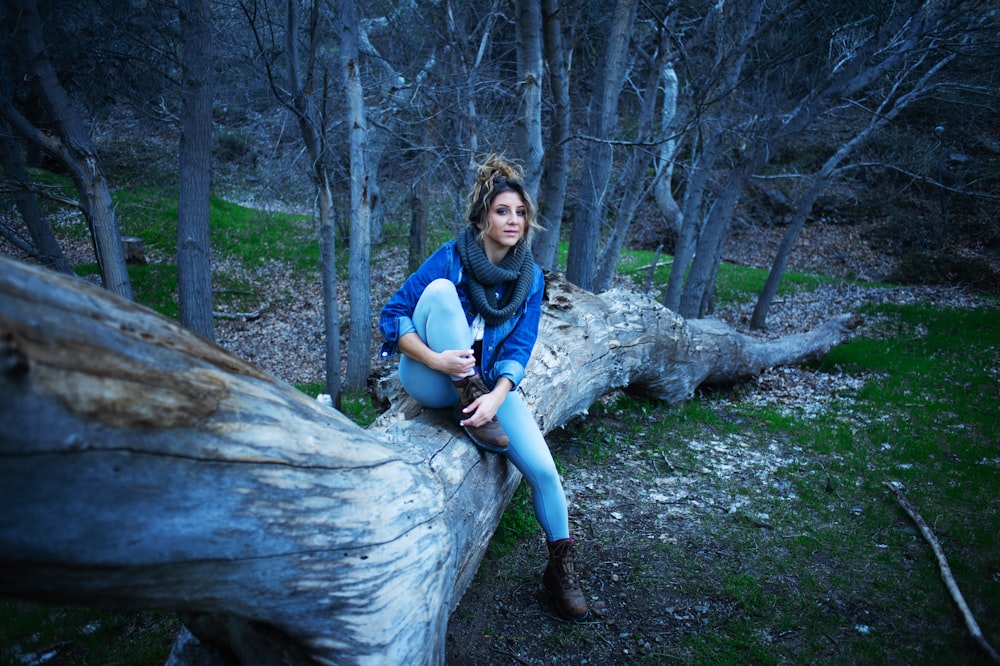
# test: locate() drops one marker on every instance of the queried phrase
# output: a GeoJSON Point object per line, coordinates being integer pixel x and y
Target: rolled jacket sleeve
{"type": "Point", "coordinates": [395, 320]}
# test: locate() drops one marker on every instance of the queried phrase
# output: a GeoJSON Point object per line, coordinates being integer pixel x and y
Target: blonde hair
{"type": "Point", "coordinates": [494, 176]}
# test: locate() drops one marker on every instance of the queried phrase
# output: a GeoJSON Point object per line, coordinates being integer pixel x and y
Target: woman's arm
{"type": "Point", "coordinates": [482, 410]}
{"type": "Point", "coordinates": [455, 362]}
{"type": "Point", "coordinates": [395, 318]}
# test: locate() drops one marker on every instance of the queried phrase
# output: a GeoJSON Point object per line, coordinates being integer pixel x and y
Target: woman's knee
{"type": "Point", "coordinates": [441, 288]}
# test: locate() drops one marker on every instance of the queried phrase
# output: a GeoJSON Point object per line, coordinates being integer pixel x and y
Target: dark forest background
{"type": "Point", "coordinates": [666, 125]}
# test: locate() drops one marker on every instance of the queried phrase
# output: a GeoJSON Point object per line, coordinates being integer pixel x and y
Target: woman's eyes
{"type": "Point", "coordinates": [506, 211]}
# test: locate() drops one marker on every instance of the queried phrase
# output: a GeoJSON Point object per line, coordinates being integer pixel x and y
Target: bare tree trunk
{"type": "Point", "coordinates": [359, 265]}
{"type": "Point", "coordinates": [44, 244]}
{"type": "Point", "coordinates": [708, 254]}
{"type": "Point", "coordinates": [529, 65]}
{"type": "Point", "coordinates": [327, 232]}
{"type": "Point", "coordinates": [595, 186]}
{"type": "Point", "coordinates": [418, 224]}
{"type": "Point", "coordinates": [72, 146]}
{"type": "Point", "coordinates": [467, 136]}
{"type": "Point", "coordinates": [294, 95]}
{"type": "Point", "coordinates": [635, 179]}
{"type": "Point", "coordinates": [420, 194]}
{"type": "Point", "coordinates": [891, 106]}
{"type": "Point", "coordinates": [145, 467]}
{"type": "Point", "coordinates": [703, 159]}
{"type": "Point", "coordinates": [861, 64]}
{"type": "Point", "coordinates": [555, 177]}
{"type": "Point", "coordinates": [662, 190]}
{"type": "Point", "coordinates": [194, 257]}
{"type": "Point", "coordinates": [740, 25]}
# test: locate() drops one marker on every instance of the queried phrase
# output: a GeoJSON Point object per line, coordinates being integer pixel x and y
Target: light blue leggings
{"type": "Point", "coordinates": [441, 324]}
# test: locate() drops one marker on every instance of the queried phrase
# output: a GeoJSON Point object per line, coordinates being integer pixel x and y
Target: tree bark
{"type": "Point", "coordinates": [634, 189]}
{"type": "Point", "coordinates": [529, 73]}
{"type": "Point", "coordinates": [294, 94]}
{"type": "Point", "coordinates": [46, 247]}
{"type": "Point", "coordinates": [893, 103]}
{"type": "Point", "coordinates": [145, 467]}
{"type": "Point", "coordinates": [581, 262]}
{"type": "Point", "coordinates": [194, 258]}
{"type": "Point", "coordinates": [359, 266]}
{"type": "Point", "coordinates": [555, 176]}
{"type": "Point", "coordinates": [663, 189]}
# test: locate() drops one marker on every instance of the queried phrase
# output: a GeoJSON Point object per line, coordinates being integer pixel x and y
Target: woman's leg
{"type": "Point", "coordinates": [530, 454]}
{"type": "Point", "coordinates": [441, 324]}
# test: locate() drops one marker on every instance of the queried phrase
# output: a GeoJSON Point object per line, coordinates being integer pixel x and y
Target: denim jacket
{"type": "Point", "coordinates": [506, 347]}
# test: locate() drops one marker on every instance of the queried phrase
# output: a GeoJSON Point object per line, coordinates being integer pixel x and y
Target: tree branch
{"type": "Point", "coordinates": [949, 580]}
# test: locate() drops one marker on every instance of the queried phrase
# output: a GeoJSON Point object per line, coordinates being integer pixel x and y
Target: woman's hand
{"type": "Point", "coordinates": [455, 362]}
{"type": "Point", "coordinates": [482, 410]}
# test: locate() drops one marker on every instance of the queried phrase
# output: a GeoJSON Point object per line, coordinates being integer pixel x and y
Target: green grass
{"type": "Point", "coordinates": [252, 237]}
{"type": "Point", "coordinates": [517, 523]}
{"type": "Point", "coordinates": [842, 574]}
{"type": "Point", "coordinates": [734, 283]}
{"type": "Point", "coordinates": [39, 633]}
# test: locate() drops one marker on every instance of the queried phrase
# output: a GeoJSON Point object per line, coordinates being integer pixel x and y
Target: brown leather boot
{"type": "Point", "coordinates": [489, 437]}
{"type": "Point", "coordinates": [561, 581]}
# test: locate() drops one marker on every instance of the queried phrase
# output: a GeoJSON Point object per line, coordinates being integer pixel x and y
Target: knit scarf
{"type": "Point", "coordinates": [518, 267]}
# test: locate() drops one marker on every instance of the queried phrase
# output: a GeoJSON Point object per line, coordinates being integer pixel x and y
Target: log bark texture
{"type": "Point", "coordinates": [144, 467]}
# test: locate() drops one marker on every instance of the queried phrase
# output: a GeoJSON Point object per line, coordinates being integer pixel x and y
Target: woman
{"type": "Point", "coordinates": [466, 322]}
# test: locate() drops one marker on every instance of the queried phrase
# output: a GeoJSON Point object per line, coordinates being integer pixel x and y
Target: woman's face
{"type": "Point", "coordinates": [505, 225]}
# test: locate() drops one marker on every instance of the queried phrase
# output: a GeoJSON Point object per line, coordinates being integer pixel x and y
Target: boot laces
{"type": "Point", "coordinates": [473, 389]}
{"type": "Point", "coordinates": [565, 558]}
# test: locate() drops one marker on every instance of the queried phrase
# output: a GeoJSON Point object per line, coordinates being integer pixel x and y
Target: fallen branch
{"type": "Point", "coordinates": [949, 580]}
{"type": "Point", "coordinates": [247, 316]}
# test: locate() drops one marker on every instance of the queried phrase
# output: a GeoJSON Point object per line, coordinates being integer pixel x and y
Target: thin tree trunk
{"type": "Point", "coordinates": [194, 257]}
{"type": "Point", "coordinates": [711, 241]}
{"type": "Point", "coordinates": [529, 65]}
{"type": "Point", "coordinates": [891, 106]}
{"type": "Point", "coordinates": [704, 154]}
{"type": "Point", "coordinates": [634, 191]}
{"type": "Point", "coordinates": [45, 247]}
{"type": "Point", "coordinates": [327, 232]}
{"type": "Point", "coordinates": [359, 266]}
{"type": "Point", "coordinates": [595, 186]}
{"type": "Point", "coordinates": [555, 177]}
{"type": "Point", "coordinates": [663, 190]}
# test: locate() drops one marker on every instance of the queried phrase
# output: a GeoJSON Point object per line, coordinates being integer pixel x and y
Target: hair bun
{"type": "Point", "coordinates": [496, 166]}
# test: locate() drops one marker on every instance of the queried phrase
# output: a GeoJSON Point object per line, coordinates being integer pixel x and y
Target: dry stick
{"type": "Point", "coordinates": [949, 580]}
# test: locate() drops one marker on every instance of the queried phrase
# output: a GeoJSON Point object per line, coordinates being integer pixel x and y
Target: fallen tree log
{"type": "Point", "coordinates": [144, 467]}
